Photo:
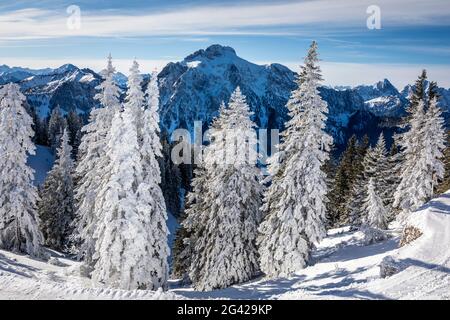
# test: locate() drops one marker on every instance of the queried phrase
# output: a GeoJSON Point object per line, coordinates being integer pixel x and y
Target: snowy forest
{"type": "Point", "coordinates": [104, 205]}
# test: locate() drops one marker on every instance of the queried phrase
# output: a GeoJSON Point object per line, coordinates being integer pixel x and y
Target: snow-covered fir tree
{"type": "Point", "coordinates": [354, 204]}
{"type": "Point", "coordinates": [392, 177]}
{"type": "Point", "coordinates": [375, 165]}
{"type": "Point", "coordinates": [434, 135]}
{"type": "Point", "coordinates": [131, 235]}
{"type": "Point", "coordinates": [224, 252]}
{"type": "Point", "coordinates": [191, 225]}
{"type": "Point", "coordinates": [56, 126]}
{"type": "Point", "coordinates": [377, 215]}
{"type": "Point", "coordinates": [295, 201]}
{"type": "Point", "coordinates": [74, 125]}
{"type": "Point", "coordinates": [56, 206]}
{"type": "Point", "coordinates": [19, 222]}
{"type": "Point", "coordinates": [444, 184]}
{"type": "Point", "coordinates": [150, 148]}
{"type": "Point", "coordinates": [422, 145]}
{"type": "Point", "coordinates": [92, 161]}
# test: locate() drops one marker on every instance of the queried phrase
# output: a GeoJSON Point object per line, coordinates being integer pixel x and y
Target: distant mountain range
{"type": "Point", "coordinates": [193, 89]}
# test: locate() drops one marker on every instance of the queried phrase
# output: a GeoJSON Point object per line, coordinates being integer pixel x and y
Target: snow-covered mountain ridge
{"type": "Point", "coordinates": [193, 89]}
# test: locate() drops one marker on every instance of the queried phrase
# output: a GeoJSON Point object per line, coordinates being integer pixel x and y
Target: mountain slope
{"type": "Point", "coordinates": [70, 88]}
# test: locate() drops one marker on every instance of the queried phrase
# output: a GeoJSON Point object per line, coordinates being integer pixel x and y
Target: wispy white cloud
{"type": "Point", "coordinates": [263, 19]}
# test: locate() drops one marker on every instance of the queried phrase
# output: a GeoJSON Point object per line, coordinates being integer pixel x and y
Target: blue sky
{"type": "Point", "coordinates": [414, 34]}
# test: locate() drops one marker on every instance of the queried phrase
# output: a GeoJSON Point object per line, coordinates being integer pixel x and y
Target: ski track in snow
{"type": "Point", "coordinates": [344, 269]}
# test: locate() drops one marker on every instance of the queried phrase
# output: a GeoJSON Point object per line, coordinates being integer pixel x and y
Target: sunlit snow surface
{"type": "Point", "coordinates": [344, 269]}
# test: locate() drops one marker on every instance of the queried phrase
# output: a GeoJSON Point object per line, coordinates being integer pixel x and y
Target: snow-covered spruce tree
{"type": "Point", "coordinates": [295, 201]}
{"type": "Point", "coordinates": [444, 184]}
{"type": "Point", "coordinates": [434, 135]}
{"type": "Point", "coordinates": [56, 126]}
{"type": "Point", "coordinates": [225, 253]}
{"type": "Point", "coordinates": [354, 205]}
{"type": "Point", "coordinates": [131, 233]}
{"type": "Point", "coordinates": [19, 222]}
{"type": "Point", "coordinates": [150, 191]}
{"type": "Point", "coordinates": [375, 165]}
{"type": "Point", "coordinates": [377, 215]}
{"type": "Point", "coordinates": [192, 224]}
{"type": "Point", "coordinates": [56, 206]}
{"type": "Point", "coordinates": [422, 145]}
{"type": "Point", "coordinates": [74, 124]}
{"type": "Point", "coordinates": [392, 177]}
{"type": "Point", "coordinates": [92, 161]}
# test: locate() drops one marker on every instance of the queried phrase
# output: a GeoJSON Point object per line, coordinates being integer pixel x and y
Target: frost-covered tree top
{"type": "Point", "coordinates": [233, 134]}
{"type": "Point", "coordinates": [19, 223]}
{"type": "Point", "coordinates": [135, 97]}
{"type": "Point", "coordinates": [64, 158]}
{"type": "Point", "coordinates": [109, 91]}
{"type": "Point", "coordinates": [295, 201]}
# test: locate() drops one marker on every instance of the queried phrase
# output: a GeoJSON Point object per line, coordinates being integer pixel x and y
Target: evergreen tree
{"type": "Point", "coordinates": [191, 226]}
{"type": "Point", "coordinates": [181, 252]}
{"type": "Point", "coordinates": [92, 163]}
{"type": "Point", "coordinates": [422, 145]}
{"type": "Point", "coordinates": [19, 222]}
{"type": "Point", "coordinates": [377, 215]}
{"type": "Point", "coordinates": [56, 126]}
{"type": "Point", "coordinates": [295, 200]}
{"type": "Point", "coordinates": [74, 124]}
{"type": "Point", "coordinates": [225, 252]}
{"type": "Point", "coordinates": [418, 95]}
{"type": "Point", "coordinates": [131, 235]}
{"type": "Point", "coordinates": [150, 191]}
{"type": "Point", "coordinates": [170, 178]}
{"type": "Point", "coordinates": [346, 174]}
{"type": "Point", "coordinates": [39, 127]}
{"type": "Point", "coordinates": [375, 166]}
{"type": "Point", "coordinates": [392, 177]}
{"type": "Point", "coordinates": [444, 184]}
{"type": "Point", "coordinates": [355, 203]}
{"type": "Point", "coordinates": [434, 137]}
{"type": "Point", "coordinates": [56, 207]}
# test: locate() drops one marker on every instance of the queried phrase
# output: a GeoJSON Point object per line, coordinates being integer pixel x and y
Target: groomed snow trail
{"type": "Point", "coordinates": [344, 269]}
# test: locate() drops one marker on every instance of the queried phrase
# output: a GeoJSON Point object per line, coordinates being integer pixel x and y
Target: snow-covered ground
{"type": "Point", "coordinates": [344, 269]}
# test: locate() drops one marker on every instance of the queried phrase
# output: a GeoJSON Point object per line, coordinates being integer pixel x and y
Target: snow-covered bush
{"type": "Point", "coordinates": [389, 266]}
{"type": "Point", "coordinates": [374, 235]}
